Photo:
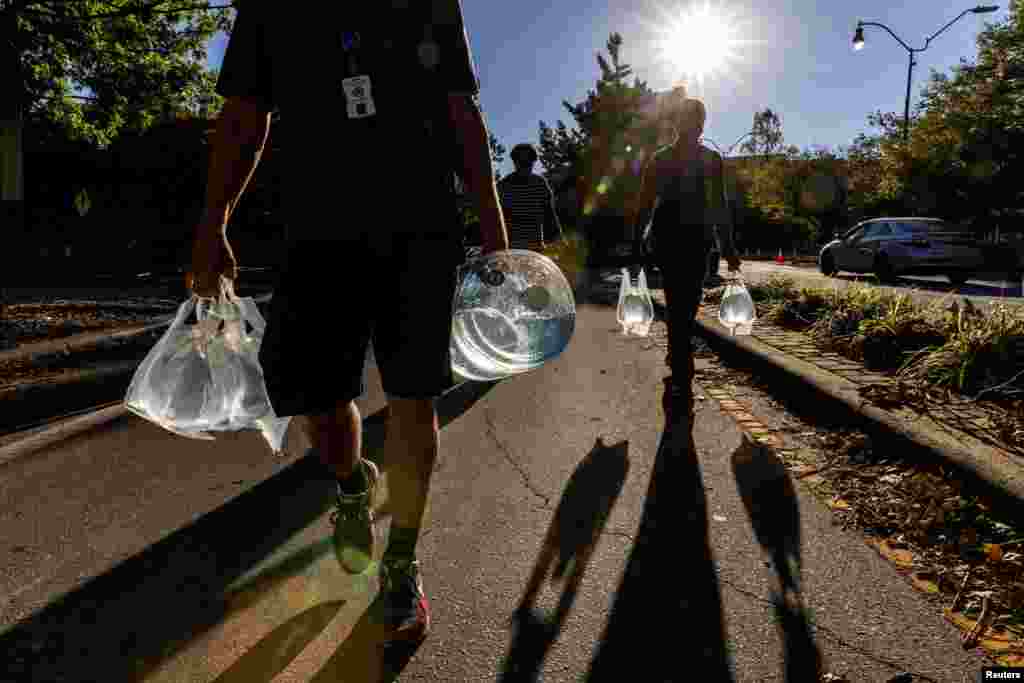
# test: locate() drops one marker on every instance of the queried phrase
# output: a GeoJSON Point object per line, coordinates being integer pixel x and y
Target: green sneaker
{"type": "Point", "coordinates": [353, 524]}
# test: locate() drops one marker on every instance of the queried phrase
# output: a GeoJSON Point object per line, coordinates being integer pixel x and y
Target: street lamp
{"type": "Point", "coordinates": [858, 44]}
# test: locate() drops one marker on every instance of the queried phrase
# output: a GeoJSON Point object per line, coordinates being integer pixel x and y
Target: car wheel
{"type": "Point", "coordinates": [828, 265]}
{"type": "Point", "coordinates": [883, 269]}
{"type": "Point", "coordinates": [958, 279]}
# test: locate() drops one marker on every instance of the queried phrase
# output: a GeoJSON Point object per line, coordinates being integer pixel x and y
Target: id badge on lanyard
{"type": "Point", "coordinates": [356, 87]}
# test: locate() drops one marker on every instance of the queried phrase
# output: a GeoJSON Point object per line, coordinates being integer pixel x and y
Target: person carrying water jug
{"type": "Point", "coordinates": [372, 81]}
{"type": "Point", "coordinates": [683, 186]}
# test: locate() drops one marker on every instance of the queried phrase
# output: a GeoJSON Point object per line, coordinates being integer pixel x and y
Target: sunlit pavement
{"type": "Point", "coordinates": [251, 592]}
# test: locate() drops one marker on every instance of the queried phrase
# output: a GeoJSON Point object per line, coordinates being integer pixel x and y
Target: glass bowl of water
{"type": "Point", "coordinates": [513, 311]}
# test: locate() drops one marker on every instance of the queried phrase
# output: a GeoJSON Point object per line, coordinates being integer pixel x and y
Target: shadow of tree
{"type": "Point", "coordinates": [105, 630]}
{"type": "Point", "coordinates": [771, 504]}
{"type": "Point", "coordinates": [666, 622]}
{"type": "Point", "coordinates": [572, 536]}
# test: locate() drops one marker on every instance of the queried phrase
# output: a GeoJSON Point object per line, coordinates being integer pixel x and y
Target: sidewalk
{"type": "Point", "coordinates": [958, 432]}
{"type": "Point", "coordinates": [229, 550]}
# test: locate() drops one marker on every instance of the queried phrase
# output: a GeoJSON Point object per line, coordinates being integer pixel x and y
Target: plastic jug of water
{"type": "Point", "coordinates": [513, 311]}
{"type": "Point", "coordinates": [635, 311]}
{"type": "Point", "coordinates": [737, 312]}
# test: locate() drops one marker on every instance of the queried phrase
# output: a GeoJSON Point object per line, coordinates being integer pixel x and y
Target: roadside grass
{"type": "Point", "coordinates": [947, 347]}
{"type": "Point", "coordinates": [949, 542]}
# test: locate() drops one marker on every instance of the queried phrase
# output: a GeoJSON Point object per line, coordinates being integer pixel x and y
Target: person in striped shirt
{"type": "Point", "coordinates": [528, 203]}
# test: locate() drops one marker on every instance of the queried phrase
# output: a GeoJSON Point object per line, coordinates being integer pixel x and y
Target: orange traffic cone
{"type": "Point", "coordinates": [780, 259]}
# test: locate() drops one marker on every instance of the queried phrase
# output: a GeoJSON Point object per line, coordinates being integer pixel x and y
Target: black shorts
{"type": "Point", "coordinates": [333, 298]}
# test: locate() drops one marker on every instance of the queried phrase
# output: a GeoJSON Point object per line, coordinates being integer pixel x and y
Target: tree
{"type": "Point", "coordinates": [497, 154]}
{"type": "Point", "coordinates": [618, 130]}
{"type": "Point", "coordinates": [794, 196]}
{"type": "Point", "coordinates": [765, 134]}
{"type": "Point", "coordinates": [94, 69]}
{"type": "Point", "coordinates": [966, 134]}
{"type": "Point", "coordinates": [560, 147]}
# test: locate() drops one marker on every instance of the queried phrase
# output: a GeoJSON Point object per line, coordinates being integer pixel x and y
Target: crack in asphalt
{"type": "Point", "coordinates": [826, 631]}
{"type": "Point", "coordinates": [523, 474]}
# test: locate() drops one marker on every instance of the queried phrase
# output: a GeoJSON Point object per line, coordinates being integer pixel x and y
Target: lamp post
{"type": "Point", "coordinates": [858, 44]}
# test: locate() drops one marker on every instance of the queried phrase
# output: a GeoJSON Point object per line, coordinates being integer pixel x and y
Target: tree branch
{"type": "Point", "coordinates": [134, 9]}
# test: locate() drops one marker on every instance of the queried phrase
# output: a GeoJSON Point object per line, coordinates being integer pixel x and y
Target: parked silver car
{"type": "Point", "coordinates": [890, 247]}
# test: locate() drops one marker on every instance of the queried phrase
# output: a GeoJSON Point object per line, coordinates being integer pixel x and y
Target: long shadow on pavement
{"type": "Point", "coordinates": [666, 622]}
{"type": "Point", "coordinates": [578, 523]}
{"type": "Point", "coordinates": [127, 622]}
{"type": "Point", "coordinates": [771, 503]}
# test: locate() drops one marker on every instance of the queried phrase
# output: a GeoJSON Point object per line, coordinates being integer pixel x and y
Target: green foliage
{"type": "Point", "coordinates": [559, 147]}
{"type": "Point", "coordinates": [497, 153]}
{"type": "Point", "coordinates": [765, 134]}
{"type": "Point", "coordinates": [137, 63]}
{"type": "Point", "coordinates": [966, 136]}
{"type": "Point", "coordinates": [619, 126]}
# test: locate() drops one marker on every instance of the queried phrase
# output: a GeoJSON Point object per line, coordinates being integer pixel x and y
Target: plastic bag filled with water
{"type": "Point", "coordinates": [513, 311]}
{"type": "Point", "coordinates": [203, 378]}
{"type": "Point", "coordinates": [635, 311]}
{"type": "Point", "coordinates": [737, 312]}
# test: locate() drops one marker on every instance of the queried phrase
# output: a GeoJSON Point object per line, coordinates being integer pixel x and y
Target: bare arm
{"type": "Point", "coordinates": [643, 201]}
{"type": "Point", "coordinates": [552, 226]}
{"type": "Point", "coordinates": [725, 225]}
{"type": "Point", "coordinates": [478, 174]}
{"type": "Point", "coordinates": [242, 130]}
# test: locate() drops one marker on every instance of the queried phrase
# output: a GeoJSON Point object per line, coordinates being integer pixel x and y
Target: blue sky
{"type": "Point", "coordinates": [794, 56]}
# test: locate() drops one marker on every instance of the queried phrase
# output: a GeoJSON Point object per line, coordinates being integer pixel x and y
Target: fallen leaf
{"type": "Point", "coordinates": [898, 556]}
{"type": "Point", "coordinates": [838, 504]}
{"type": "Point", "coordinates": [925, 581]}
{"type": "Point", "coordinates": [1005, 646]}
{"type": "Point", "coordinates": [993, 551]}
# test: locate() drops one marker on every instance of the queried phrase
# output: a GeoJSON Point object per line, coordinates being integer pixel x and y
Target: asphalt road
{"type": "Point", "coordinates": [981, 291]}
{"type": "Point", "coordinates": [678, 579]}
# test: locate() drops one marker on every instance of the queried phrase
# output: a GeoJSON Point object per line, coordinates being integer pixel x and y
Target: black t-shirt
{"type": "Point", "coordinates": [415, 53]}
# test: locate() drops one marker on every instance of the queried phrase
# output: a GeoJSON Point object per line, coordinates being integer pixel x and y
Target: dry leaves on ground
{"type": "Point", "coordinates": [945, 541]}
{"type": "Point", "coordinates": [28, 323]}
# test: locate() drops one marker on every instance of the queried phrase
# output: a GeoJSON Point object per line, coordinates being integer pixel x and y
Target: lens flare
{"type": "Point", "coordinates": [697, 43]}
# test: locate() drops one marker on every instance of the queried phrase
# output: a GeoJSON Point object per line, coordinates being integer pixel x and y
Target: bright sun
{"type": "Point", "coordinates": [698, 43]}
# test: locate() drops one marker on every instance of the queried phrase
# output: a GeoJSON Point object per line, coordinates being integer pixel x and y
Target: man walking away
{"type": "Point", "coordinates": [528, 203]}
{"type": "Point", "coordinates": [386, 78]}
{"type": "Point", "coordinates": [684, 186]}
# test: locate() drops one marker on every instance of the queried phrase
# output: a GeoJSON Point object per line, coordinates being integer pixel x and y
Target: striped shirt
{"type": "Point", "coordinates": [526, 202]}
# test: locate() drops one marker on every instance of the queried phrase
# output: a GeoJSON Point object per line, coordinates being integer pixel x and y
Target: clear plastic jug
{"type": "Point", "coordinates": [737, 312]}
{"type": "Point", "coordinates": [513, 311]}
{"type": "Point", "coordinates": [635, 312]}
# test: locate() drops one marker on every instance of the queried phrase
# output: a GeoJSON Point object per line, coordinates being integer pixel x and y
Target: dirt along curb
{"type": "Point", "coordinates": [990, 471]}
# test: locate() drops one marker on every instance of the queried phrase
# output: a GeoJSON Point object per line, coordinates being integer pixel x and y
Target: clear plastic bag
{"type": "Point", "coordinates": [737, 312]}
{"type": "Point", "coordinates": [206, 378]}
{"type": "Point", "coordinates": [635, 312]}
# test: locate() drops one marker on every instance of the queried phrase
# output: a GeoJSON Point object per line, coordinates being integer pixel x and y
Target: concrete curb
{"type": "Point", "coordinates": [93, 341]}
{"type": "Point", "coordinates": [60, 431]}
{"type": "Point", "coordinates": [33, 402]}
{"type": "Point", "coordinates": [996, 472]}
